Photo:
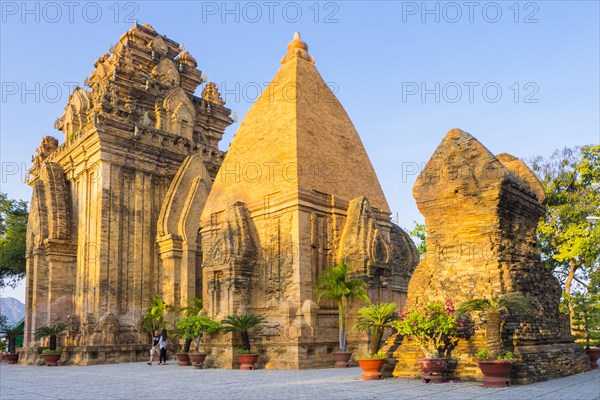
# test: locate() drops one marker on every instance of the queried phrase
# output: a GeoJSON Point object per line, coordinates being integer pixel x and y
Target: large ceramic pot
{"type": "Point", "coordinates": [247, 361]}
{"type": "Point", "coordinates": [51, 359]}
{"type": "Point", "coordinates": [197, 359]}
{"type": "Point", "coordinates": [183, 359]}
{"type": "Point", "coordinates": [593, 354]}
{"type": "Point", "coordinates": [12, 358]}
{"type": "Point", "coordinates": [496, 373]}
{"type": "Point", "coordinates": [341, 358]}
{"type": "Point", "coordinates": [371, 368]}
{"type": "Point", "coordinates": [432, 369]}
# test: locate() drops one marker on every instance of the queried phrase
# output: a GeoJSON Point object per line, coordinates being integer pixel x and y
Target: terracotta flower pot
{"type": "Point", "coordinates": [12, 358]}
{"type": "Point", "coordinates": [496, 373]}
{"type": "Point", "coordinates": [341, 358]}
{"type": "Point", "coordinates": [183, 359]}
{"type": "Point", "coordinates": [247, 361]}
{"type": "Point", "coordinates": [197, 359]}
{"type": "Point", "coordinates": [432, 369]}
{"type": "Point", "coordinates": [51, 359]}
{"type": "Point", "coordinates": [371, 368]}
{"type": "Point", "coordinates": [593, 354]}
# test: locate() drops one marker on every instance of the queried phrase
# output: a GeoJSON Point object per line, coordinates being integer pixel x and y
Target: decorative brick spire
{"type": "Point", "coordinates": [297, 48]}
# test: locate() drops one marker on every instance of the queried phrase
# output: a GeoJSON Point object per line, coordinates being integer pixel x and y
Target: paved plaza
{"type": "Point", "coordinates": [140, 381]}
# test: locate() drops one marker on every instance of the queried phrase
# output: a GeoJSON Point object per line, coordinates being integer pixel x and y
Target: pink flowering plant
{"type": "Point", "coordinates": [432, 325]}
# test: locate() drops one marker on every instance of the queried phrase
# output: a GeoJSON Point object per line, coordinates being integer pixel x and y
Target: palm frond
{"type": "Point", "coordinates": [515, 301]}
{"type": "Point", "coordinates": [241, 322]}
{"type": "Point", "coordinates": [376, 316]}
{"type": "Point", "coordinates": [477, 304]}
{"type": "Point", "coordinates": [50, 330]}
{"type": "Point", "coordinates": [13, 331]}
{"type": "Point", "coordinates": [334, 284]}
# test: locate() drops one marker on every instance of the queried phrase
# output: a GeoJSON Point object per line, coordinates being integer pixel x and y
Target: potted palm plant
{"type": "Point", "coordinates": [334, 284]}
{"type": "Point", "coordinates": [52, 354]}
{"type": "Point", "coordinates": [11, 334]}
{"type": "Point", "coordinates": [496, 364]}
{"type": "Point", "coordinates": [194, 327]}
{"type": "Point", "coordinates": [242, 323]}
{"type": "Point", "coordinates": [194, 308]}
{"type": "Point", "coordinates": [586, 323]}
{"type": "Point", "coordinates": [374, 319]}
{"type": "Point", "coordinates": [434, 328]}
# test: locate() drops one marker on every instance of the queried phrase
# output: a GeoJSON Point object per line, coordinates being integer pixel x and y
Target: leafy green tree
{"type": "Point", "coordinates": [493, 308]}
{"type": "Point", "coordinates": [242, 323]}
{"type": "Point", "coordinates": [586, 321]}
{"type": "Point", "coordinates": [375, 319]}
{"type": "Point", "coordinates": [334, 284]}
{"type": "Point", "coordinates": [13, 231]}
{"type": "Point", "coordinates": [193, 309]}
{"type": "Point", "coordinates": [11, 334]}
{"type": "Point", "coordinates": [194, 326]}
{"type": "Point", "coordinates": [567, 237]}
{"type": "Point", "coordinates": [155, 317]}
{"type": "Point", "coordinates": [3, 321]}
{"type": "Point", "coordinates": [419, 233]}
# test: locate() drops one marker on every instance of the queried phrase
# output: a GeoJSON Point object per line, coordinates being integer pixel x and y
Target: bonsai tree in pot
{"type": "Point", "coordinates": [586, 323]}
{"type": "Point", "coordinates": [375, 319]}
{"type": "Point", "coordinates": [434, 328]}
{"type": "Point", "coordinates": [194, 308]}
{"type": "Point", "coordinates": [242, 323]}
{"type": "Point", "coordinates": [11, 334]}
{"type": "Point", "coordinates": [334, 284]}
{"type": "Point", "coordinates": [52, 354]}
{"type": "Point", "coordinates": [495, 363]}
{"type": "Point", "coordinates": [193, 327]}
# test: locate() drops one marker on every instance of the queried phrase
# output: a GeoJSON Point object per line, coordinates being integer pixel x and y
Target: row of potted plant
{"type": "Point", "coordinates": [192, 324]}
{"type": "Point", "coordinates": [195, 326]}
{"type": "Point", "coordinates": [434, 327]}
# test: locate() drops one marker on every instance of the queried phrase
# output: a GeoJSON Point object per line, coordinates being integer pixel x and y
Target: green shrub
{"type": "Point", "coordinates": [483, 355]}
{"type": "Point", "coordinates": [379, 354]}
{"type": "Point", "coordinates": [49, 351]}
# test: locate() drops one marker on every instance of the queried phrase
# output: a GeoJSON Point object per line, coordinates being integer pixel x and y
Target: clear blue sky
{"type": "Point", "coordinates": [379, 56]}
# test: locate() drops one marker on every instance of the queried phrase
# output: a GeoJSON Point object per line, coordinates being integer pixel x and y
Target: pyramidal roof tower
{"type": "Point", "coordinates": [296, 193]}
{"type": "Point", "coordinates": [297, 138]}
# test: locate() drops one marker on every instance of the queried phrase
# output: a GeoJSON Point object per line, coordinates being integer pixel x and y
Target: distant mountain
{"type": "Point", "coordinates": [12, 308]}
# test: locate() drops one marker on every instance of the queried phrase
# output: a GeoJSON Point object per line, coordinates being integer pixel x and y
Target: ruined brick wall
{"type": "Point", "coordinates": [481, 214]}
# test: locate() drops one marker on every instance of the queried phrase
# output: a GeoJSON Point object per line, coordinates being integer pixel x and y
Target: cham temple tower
{"type": "Point", "coordinates": [103, 199]}
{"type": "Point", "coordinates": [481, 214]}
{"type": "Point", "coordinates": [139, 201]}
{"type": "Point", "coordinates": [296, 193]}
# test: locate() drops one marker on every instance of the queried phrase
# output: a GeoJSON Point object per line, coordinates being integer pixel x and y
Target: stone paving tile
{"type": "Point", "coordinates": [139, 381]}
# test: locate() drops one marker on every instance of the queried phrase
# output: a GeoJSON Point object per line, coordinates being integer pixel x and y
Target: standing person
{"type": "Point", "coordinates": [154, 348]}
{"type": "Point", "coordinates": [162, 343]}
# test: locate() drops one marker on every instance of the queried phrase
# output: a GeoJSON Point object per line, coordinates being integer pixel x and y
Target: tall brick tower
{"type": "Point", "coordinates": [92, 257]}
{"type": "Point", "coordinates": [295, 194]}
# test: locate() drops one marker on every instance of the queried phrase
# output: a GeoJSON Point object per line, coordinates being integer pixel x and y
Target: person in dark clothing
{"type": "Point", "coordinates": [162, 343]}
